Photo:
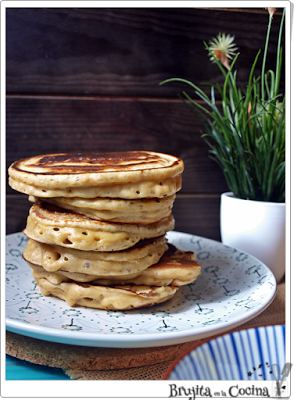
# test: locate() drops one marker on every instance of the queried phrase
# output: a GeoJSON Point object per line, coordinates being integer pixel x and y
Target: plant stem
{"type": "Point", "coordinates": [264, 58]}
{"type": "Point", "coordinates": [278, 63]}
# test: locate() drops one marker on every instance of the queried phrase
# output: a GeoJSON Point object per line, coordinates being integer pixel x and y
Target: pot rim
{"type": "Point", "coordinates": [232, 196]}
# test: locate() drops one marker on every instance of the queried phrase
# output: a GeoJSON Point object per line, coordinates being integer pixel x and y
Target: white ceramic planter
{"type": "Point", "coordinates": [256, 227]}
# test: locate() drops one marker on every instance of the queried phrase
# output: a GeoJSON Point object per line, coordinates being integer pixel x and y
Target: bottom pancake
{"type": "Point", "coordinates": [107, 298]}
{"type": "Point", "coordinates": [154, 285]}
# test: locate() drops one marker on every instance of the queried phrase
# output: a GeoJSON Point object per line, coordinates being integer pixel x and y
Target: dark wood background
{"type": "Point", "coordinates": [87, 79]}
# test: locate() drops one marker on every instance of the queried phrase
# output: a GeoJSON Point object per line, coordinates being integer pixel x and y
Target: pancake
{"type": "Point", "coordinates": [126, 297]}
{"type": "Point", "coordinates": [63, 276]}
{"type": "Point", "coordinates": [175, 268]}
{"type": "Point", "coordinates": [116, 210]}
{"type": "Point", "coordinates": [139, 190]}
{"type": "Point", "coordinates": [95, 263]}
{"type": "Point", "coordinates": [96, 229]}
{"type": "Point", "coordinates": [52, 225]}
{"type": "Point", "coordinates": [133, 174]}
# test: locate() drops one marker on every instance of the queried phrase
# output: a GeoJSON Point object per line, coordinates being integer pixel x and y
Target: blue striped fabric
{"type": "Point", "coordinates": [252, 354]}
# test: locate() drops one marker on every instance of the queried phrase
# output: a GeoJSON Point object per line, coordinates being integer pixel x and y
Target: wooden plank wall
{"type": "Point", "coordinates": [88, 79]}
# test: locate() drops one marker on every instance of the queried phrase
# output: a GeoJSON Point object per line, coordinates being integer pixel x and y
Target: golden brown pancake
{"type": "Point", "coordinates": [52, 225]}
{"type": "Point", "coordinates": [125, 297]}
{"type": "Point", "coordinates": [132, 211]}
{"type": "Point", "coordinates": [97, 228]}
{"type": "Point", "coordinates": [175, 268]}
{"type": "Point", "coordinates": [133, 174]}
{"type": "Point", "coordinates": [55, 258]}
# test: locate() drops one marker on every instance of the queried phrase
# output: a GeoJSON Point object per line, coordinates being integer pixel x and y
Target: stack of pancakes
{"type": "Point", "coordinates": [97, 227]}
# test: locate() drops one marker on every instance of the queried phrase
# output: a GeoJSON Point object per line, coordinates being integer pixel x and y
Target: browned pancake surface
{"type": "Point", "coordinates": [79, 163]}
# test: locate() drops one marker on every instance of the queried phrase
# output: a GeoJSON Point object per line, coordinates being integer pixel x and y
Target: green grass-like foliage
{"type": "Point", "coordinates": [246, 133]}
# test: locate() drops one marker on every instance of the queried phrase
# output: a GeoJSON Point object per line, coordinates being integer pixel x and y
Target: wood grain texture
{"type": "Point", "coordinates": [44, 125]}
{"type": "Point", "coordinates": [87, 79]}
{"type": "Point", "coordinates": [17, 211]}
{"type": "Point", "coordinates": [125, 51]}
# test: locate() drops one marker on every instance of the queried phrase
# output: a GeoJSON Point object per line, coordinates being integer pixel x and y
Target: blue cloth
{"type": "Point", "coordinates": [23, 370]}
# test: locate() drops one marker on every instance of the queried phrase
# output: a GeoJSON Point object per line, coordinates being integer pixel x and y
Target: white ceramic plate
{"type": "Point", "coordinates": [249, 354]}
{"type": "Point", "coordinates": [233, 288]}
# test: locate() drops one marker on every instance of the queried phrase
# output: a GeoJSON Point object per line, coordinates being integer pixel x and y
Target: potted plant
{"type": "Point", "coordinates": [246, 137]}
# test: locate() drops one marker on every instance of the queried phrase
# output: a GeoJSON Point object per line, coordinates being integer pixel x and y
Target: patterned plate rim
{"type": "Point", "coordinates": [143, 339]}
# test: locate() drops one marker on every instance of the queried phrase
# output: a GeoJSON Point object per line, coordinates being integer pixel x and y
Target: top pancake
{"type": "Point", "coordinates": [53, 172]}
